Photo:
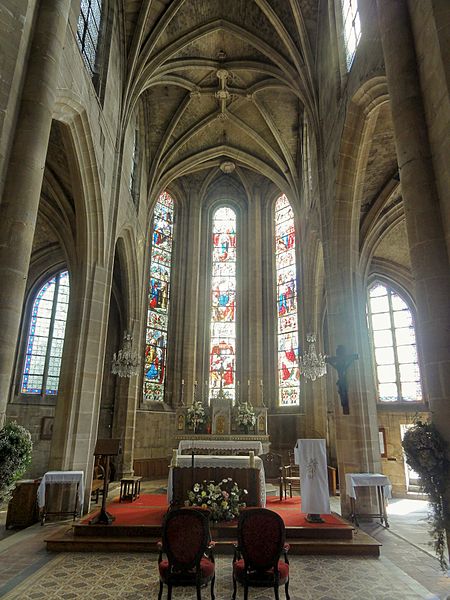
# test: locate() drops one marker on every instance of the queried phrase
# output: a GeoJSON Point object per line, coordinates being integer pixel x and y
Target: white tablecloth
{"type": "Point", "coordinates": [311, 455]}
{"type": "Point", "coordinates": [62, 477]}
{"type": "Point", "coordinates": [208, 460]}
{"type": "Point", "coordinates": [354, 480]}
{"type": "Point", "coordinates": [220, 445]}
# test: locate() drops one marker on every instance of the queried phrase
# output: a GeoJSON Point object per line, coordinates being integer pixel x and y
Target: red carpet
{"type": "Point", "coordinates": [149, 509]}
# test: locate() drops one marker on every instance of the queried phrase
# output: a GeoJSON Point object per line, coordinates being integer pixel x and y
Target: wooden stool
{"type": "Point", "coordinates": [130, 488]}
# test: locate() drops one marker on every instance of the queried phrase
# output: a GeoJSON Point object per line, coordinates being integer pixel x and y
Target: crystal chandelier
{"type": "Point", "coordinates": [125, 362]}
{"type": "Point", "coordinates": [310, 364]}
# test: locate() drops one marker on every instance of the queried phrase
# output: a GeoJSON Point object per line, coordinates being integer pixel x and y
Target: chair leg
{"type": "Point", "coordinates": [275, 589]}
{"type": "Point", "coordinates": [160, 590]}
{"type": "Point", "coordinates": [213, 581]}
{"type": "Point", "coordinates": [199, 593]}
{"type": "Point", "coordinates": [169, 591]}
{"type": "Point", "coordinates": [233, 597]}
{"type": "Point", "coordinates": [245, 591]}
{"type": "Point", "coordinates": [286, 590]}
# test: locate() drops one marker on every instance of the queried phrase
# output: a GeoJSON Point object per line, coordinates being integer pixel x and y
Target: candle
{"type": "Point", "coordinates": [248, 383]}
{"type": "Point", "coordinates": [252, 459]}
{"type": "Point", "coordinates": [182, 382]}
{"type": "Point", "coordinates": [174, 457]}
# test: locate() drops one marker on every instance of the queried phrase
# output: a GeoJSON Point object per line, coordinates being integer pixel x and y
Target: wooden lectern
{"type": "Point", "coordinates": [105, 448]}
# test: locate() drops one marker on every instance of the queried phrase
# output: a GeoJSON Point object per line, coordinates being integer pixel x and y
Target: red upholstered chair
{"type": "Point", "coordinates": [261, 541]}
{"type": "Point", "coordinates": [186, 542]}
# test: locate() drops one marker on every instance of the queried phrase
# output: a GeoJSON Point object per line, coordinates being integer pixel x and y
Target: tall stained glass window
{"type": "Point", "coordinates": [46, 337]}
{"type": "Point", "coordinates": [88, 28]}
{"type": "Point", "coordinates": [222, 362]}
{"type": "Point", "coordinates": [352, 29]}
{"type": "Point", "coordinates": [158, 299]}
{"type": "Point", "coordinates": [286, 289]}
{"type": "Point", "coordinates": [394, 345]}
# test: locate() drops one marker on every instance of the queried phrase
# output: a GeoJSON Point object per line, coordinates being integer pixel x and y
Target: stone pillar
{"type": "Point", "coordinates": [254, 284]}
{"type": "Point", "coordinates": [189, 303]}
{"type": "Point", "coordinates": [429, 257]}
{"type": "Point", "coordinates": [20, 201]}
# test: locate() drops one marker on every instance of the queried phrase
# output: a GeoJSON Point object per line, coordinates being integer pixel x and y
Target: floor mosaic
{"type": "Point", "coordinates": [124, 576]}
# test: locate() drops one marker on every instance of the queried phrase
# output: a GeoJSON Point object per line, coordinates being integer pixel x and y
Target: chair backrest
{"type": "Point", "coordinates": [185, 537]}
{"type": "Point", "coordinates": [261, 537]}
{"type": "Point", "coordinates": [272, 463]}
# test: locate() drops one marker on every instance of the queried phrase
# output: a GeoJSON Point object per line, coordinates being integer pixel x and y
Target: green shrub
{"type": "Point", "coordinates": [15, 456]}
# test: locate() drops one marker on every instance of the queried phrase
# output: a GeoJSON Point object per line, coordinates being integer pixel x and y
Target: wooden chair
{"type": "Point", "coordinates": [256, 561]}
{"type": "Point", "coordinates": [273, 469]}
{"type": "Point", "coordinates": [187, 544]}
{"type": "Point", "coordinates": [290, 477]}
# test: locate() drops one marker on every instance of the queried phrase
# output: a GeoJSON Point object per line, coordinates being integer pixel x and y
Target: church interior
{"type": "Point", "coordinates": [225, 223]}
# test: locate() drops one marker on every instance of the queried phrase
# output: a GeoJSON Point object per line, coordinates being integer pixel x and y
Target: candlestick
{"type": "Point", "coordinates": [251, 455]}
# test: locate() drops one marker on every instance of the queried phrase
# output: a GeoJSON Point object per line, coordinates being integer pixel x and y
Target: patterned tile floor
{"type": "Point", "coordinates": [134, 576]}
{"type": "Point", "coordinates": [405, 570]}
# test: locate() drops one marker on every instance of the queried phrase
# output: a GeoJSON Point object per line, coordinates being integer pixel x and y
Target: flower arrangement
{"type": "Point", "coordinates": [246, 416]}
{"type": "Point", "coordinates": [196, 415]}
{"type": "Point", "coordinates": [426, 454]}
{"type": "Point", "coordinates": [224, 500]}
{"type": "Point", "coordinates": [15, 456]}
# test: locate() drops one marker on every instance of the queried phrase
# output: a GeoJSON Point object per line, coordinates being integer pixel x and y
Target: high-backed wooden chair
{"type": "Point", "coordinates": [261, 542]}
{"type": "Point", "coordinates": [290, 477]}
{"type": "Point", "coordinates": [273, 469]}
{"type": "Point", "coordinates": [186, 542]}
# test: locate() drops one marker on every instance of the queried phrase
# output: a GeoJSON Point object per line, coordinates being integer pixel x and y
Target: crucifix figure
{"type": "Point", "coordinates": [341, 363]}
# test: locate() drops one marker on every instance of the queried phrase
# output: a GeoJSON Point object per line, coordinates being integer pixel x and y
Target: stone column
{"type": "Point", "coordinates": [189, 302]}
{"type": "Point", "coordinates": [254, 284]}
{"type": "Point", "coordinates": [20, 201]}
{"type": "Point", "coordinates": [429, 257]}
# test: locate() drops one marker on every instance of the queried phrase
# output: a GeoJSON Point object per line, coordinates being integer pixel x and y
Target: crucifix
{"type": "Point", "coordinates": [341, 363]}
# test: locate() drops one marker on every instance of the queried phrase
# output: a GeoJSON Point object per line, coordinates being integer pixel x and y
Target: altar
{"type": "Point", "coordinates": [247, 472]}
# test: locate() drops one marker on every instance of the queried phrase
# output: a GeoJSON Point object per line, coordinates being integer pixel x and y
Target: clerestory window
{"type": "Point", "coordinates": [351, 29]}
{"type": "Point", "coordinates": [45, 341]}
{"type": "Point", "coordinates": [393, 335]}
{"type": "Point", "coordinates": [88, 31]}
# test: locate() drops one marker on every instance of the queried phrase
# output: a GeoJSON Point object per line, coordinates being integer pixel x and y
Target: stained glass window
{"type": "Point", "coordinates": [158, 299]}
{"type": "Point", "coordinates": [394, 345]}
{"type": "Point", "coordinates": [286, 290]}
{"type": "Point", "coordinates": [88, 28]}
{"type": "Point", "coordinates": [222, 358]}
{"type": "Point", "coordinates": [352, 29]}
{"type": "Point", "coordinates": [46, 337]}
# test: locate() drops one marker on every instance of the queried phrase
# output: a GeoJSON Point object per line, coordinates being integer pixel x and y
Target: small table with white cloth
{"type": "Point", "coordinates": [215, 468]}
{"type": "Point", "coordinates": [61, 477]}
{"type": "Point", "coordinates": [383, 489]}
{"type": "Point", "coordinates": [217, 446]}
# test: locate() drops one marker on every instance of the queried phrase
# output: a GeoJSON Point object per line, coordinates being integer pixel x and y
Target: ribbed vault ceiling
{"type": "Point", "coordinates": [222, 81]}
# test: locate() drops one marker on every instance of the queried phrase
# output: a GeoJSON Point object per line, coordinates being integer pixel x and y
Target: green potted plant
{"type": "Point", "coordinates": [15, 456]}
{"type": "Point", "coordinates": [426, 453]}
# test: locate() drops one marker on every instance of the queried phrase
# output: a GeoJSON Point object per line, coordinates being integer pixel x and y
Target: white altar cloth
{"type": "Point", "coordinates": [62, 477]}
{"type": "Point", "coordinates": [353, 480]}
{"type": "Point", "coordinates": [311, 455]}
{"type": "Point", "coordinates": [209, 460]}
{"type": "Point", "coordinates": [220, 445]}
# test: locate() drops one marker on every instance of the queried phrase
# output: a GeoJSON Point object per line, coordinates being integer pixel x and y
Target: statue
{"type": "Point", "coordinates": [341, 363]}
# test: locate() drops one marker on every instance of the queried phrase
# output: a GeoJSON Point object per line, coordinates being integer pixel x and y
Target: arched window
{"type": "Point", "coordinates": [88, 29]}
{"type": "Point", "coordinates": [45, 340]}
{"type": "Point", "coordinates": [286, 290]}
{"type": "Point", "coordinates": [222, 363]}
{"type": "Point", "coordinates": [394, 345]}
{"type": "Point", "coordinates": [158, 299]}
{"type": "Point", "coordinates": [352, 29]}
